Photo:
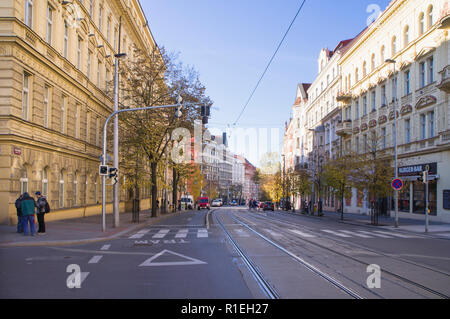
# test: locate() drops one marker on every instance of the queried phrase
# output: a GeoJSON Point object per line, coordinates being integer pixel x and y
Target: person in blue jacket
{"type": "Point", "coordinates": [28, 209]}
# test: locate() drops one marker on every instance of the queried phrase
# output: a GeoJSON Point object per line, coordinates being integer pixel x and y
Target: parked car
{"type": "Point", "coordinates": [203, 202]}
{"type": "Point", "coordinates": [269, 206]}
{"type": "Point", "coordinates": [217, 203]}
{"type": "Point", "coordinates": [261, 204]}
{"type": "Point", "coordinates": [234, 203]}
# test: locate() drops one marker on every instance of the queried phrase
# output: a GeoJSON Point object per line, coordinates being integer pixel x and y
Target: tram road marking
{"type": "Point", "coordinates": [274, 234]}
{"type": "Point", "coordinates": [105, 247]}
{"type": "Point", "coordinates": [241, 233]}
{"type": "Point", "coordinates": [356, 234]}
{"type": "Point", "coordinates": [394, 234]}
{"type": "Point", "coordinates": [95, 259]}
{"type": "Point", "coordinates": [335, 233]}
{"type": "Point", "coordinates": [295, 231]}
{"type": "Point", "coordinates": [161, 234]}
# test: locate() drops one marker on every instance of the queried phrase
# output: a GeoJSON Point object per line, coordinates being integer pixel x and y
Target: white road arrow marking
{"type": "Point", "coordinates": [190, 260]}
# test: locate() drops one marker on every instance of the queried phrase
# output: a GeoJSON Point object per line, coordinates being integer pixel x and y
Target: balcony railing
{"type": "Point", "coordinates": [445, 79]}
{"type": "Point", "coordinates": [344, 97]}
{"type": "Point", "coordinates": [344, 128]}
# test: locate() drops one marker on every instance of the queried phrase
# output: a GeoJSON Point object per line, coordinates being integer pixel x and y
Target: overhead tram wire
{"type": "Point", "coordinates": [270, 62]}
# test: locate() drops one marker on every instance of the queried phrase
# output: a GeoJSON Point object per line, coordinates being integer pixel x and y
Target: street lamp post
{"type": "Point", "coordinates": [395, 139]}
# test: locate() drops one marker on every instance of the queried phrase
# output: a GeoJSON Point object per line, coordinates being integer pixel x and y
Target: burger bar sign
{"type": "Point", "coordinates": [413, 170]}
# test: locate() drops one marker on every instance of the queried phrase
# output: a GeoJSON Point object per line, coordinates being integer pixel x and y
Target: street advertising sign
{"type": "Point", "coordinates": [397, 184]}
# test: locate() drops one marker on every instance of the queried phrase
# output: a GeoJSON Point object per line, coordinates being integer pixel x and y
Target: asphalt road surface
{"type": "Point", "coordinates": [237, 254]}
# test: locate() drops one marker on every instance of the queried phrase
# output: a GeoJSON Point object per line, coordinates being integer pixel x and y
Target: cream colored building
{"type": "Point", "coordinates": [414, 34]}
{"type": "Point", "coordinates": [56, 62]}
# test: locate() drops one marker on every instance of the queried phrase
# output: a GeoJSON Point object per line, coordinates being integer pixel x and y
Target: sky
{"type": "Point", "coordinates": [230, 42]}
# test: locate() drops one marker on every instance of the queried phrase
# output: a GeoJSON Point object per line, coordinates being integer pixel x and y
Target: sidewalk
{"type": "Point", "coordinates": [78, 230]}
{"type": "Point", "coordinates": [438, 229]}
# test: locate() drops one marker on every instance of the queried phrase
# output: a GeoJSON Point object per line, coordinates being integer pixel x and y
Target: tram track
{"type": "Point", "coordinates": [272, 222]}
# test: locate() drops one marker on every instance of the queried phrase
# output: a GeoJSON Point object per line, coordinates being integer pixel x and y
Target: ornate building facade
{"type": "Point", "coordinates": [56, 66]}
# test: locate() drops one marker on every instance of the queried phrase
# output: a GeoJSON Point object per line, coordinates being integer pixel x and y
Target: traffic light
{"type": "Point", "coordinates": [424, 177]}
{"type": "Point", "coordinates": [179, 107]}
{"type": "Point", "coordinates": [112, 172]}
{"type": "Point", "coordinates": [103, 170]}
{"type": "Point", "coordinates": [205, 112]}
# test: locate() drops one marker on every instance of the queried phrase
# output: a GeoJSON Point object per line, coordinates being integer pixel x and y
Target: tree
{"type": "Point", "coordinates": [300, 182]}
{"type": "Point", "coordinates": [152, 79]}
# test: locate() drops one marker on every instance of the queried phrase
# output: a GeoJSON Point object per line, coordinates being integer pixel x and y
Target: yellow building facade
{"type": "Point", "coordinates": [56, 68]}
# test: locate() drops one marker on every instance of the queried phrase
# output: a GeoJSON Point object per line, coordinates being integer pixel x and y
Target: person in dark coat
{"type": "Point", "coordinates": [28, 205]}
{"type": "Point", "coordinates": [41, 203]}
{"type": "Point", "coordinates": [18, 205]}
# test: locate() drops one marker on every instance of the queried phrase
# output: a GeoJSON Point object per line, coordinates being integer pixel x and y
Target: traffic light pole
{"type": "Point", "coordinates": [105, 127]}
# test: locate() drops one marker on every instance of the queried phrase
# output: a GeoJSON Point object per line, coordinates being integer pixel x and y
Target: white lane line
{"type": "Point", "coordinates": [95, 259]}
{"type": "Point", "coordinates": [105, 247]}
{"type": "Point", "coordinates": [182, 233]}
{"type": "Point", "coordinates": [355, 234]}
{"type": "Point", "coordinates": [295, 231]}
{"type": "Point", "coordinates": [374, 234]}
{"type": "Point", "coordinates": [274, 234]}
{"type": "Point", "coordinates": [335, 233]}
{"type": "Point", "coordinates": [202, 233]}
{"type": "Point", "coordinates": [161, 234]}
{"type": "Point", "coordinates": [393, 234]}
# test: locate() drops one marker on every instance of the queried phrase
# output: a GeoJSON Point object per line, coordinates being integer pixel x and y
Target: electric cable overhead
{"type": "Point", "coordinates": [270, 62]}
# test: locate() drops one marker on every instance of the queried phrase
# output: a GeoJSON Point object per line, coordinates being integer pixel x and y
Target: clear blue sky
{"type": "Point", "coordinates": [230, 42]}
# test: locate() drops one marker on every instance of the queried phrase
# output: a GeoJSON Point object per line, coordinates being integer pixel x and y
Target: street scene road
{"type": "Point", "coordinates": [235, 253]}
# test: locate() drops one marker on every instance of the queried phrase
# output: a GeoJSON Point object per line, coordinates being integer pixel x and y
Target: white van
{"type": "Point", "coordinates": [187, 202]}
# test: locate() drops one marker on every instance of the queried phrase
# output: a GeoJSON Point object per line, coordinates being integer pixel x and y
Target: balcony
{"type": "Point", "coordinates": [445, 79]}
{"type": "Point", "coordinates": [344, 128]}
{"type": "Point", "coordinates": [344, 97]}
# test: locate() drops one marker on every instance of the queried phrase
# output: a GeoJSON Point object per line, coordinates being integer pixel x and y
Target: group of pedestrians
{"type": "Point", "coordinates": [27, 207]}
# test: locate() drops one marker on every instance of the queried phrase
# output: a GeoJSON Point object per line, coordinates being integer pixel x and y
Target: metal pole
{"type": "Point", "coordinates": [426, 206]}
{"type": "Point", "coordinates": [116, 190]}
{"type": "Point", "coordinates": [395, 147]}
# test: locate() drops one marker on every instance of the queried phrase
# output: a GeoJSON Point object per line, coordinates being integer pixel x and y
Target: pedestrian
{"type": "Point", "coordinates": [41, 210]}
{"type": "Point", "coordinates": [28, 208]}
{"type": "Point", "coordinates": [19, 214]}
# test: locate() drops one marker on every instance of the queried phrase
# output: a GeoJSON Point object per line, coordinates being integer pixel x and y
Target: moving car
{"type": "Point", "coordinates": [234, 203]}
{"type": "Point", "coordinates": [187, 202]}
{"type": "Point", "coordinates": [217, 203]}
{"type": "Point", "coordinates": [269, 206]}
{"type": "Point", "coordinates": [203, 202]}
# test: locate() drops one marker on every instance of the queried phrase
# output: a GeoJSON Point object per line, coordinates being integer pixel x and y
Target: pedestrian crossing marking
{"type": "Point", "coordinates": [182, 233]}
{"type": "Point", "coordinates": [355, 234]}
{"type": "Point", "coordinates": [162, 233]}
{"type": "Point", "coordinates": [374, 234]}
{"type": "Point", "coordinates": [335, 233]}
{"type": "Point", "coordinates": [95, 259]}
{"type": "Point", "coordinates": [394, 234]}
{"type": "Point", "coordinates": [295, 231]}
{"type": "Point", "coordinates": [202, 233]}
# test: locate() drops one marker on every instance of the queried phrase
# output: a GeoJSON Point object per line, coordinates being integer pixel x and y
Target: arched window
{"type": "Point", "coordinates": [356, 75]}
{"type": "Point", "coordinates": [373, 63]}
{"type": "Point", "coordinates": [61, 189]}
{"type": "Point", "coordinates": [394, 45]}
{"type": "Point", "coordinates": [24, 179]}
{"type": "Point", "coordinates": [45, 182]}
{"type": "Point", "coordinates": [406, 36]}
{"type": "Point", "coordinates": [430, 16]}
{"type": "Point", "coordinates": [421, 23]}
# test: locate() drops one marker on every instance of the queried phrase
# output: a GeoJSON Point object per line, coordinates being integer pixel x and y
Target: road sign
{"type": "Point", "coordinates": [397, 184]}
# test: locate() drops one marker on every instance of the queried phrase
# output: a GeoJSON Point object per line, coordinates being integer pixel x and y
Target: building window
{"type": "Point", "coordinates": [382, 54]}
{"type": "Point", "coordinates": [91, 8]}
{"type": "Point", "coordinates": [423, 127]}
{"type": "Point", "coordinates": [29, 13]}
{"type": "Point", "coordinates": [45, 181]}
{"type": "Point", "coordinates": [63, 113]}
{"type": "Point", "coordinates": [46, 105]}
{"type": "Point", "coordinates": [394, 88]}
{"type": "Point", "coordinates": [383, 95]}
{"type": "Point", "coordinates": [23, 180]}
{"type": "Point", "coordinates": [61, 189]}
{"type": "Point", "coordinates": [100, 18]}
{"type": "Point", "coordinates": [430, 16]}
{"type": "Point", "coordinates": [394, 46]}
{"type": "Point", "coordinates": [66, 40]}
{"type": "Point", "coordinates": [406, 36]}
{"type": "Point", "coordinates": [97, 129]}
{"type": "Point", "coordinates": [374, 100]}
{"type": "Point", "coordinates": [357, 110]}
{"type": "Point", "coordinates": [26, 96]}
{"type": "Point", "coordinates": [422, 74]}
{"type": "Point", "coordinates": [108, 30]}
{"type": "Point", "coordinates": [407, 82]}
{"type": "Point", "coordinates": [383, 138]}
{"type": "Point", "coordinates": [364, 68]}
{"type": "Point", "coordinates": [430, 70]}
{"type": "Point", "coordinates": [365, 143]}
{"type": "Point", "coordinates": [79, 47]}
{"type": "Point", "coordinates": [89, 62]}
{"type": "Point", "coordinates": [99, 67]}
{"type": "Point", "coordinates": [77, 121]}
{"type": "Point", "coordinates": [75, 189]}
{"type": "Point", "coordinates": [115, 39]}
{"type": "Point", "coordinates": [365, 105]}
{"type": "Point", "coordinates": [431, 124]}
{"type": "Point", "coordinates": [421, 23]}
{"type": "Point", "coordinates": [357, 144]}
{"type": "Point", "coordinates": [373, 63]}
{"type": "Point", "coordinates": [407, 131]}
{"type": "Point", "coordinates": [49, 24]}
